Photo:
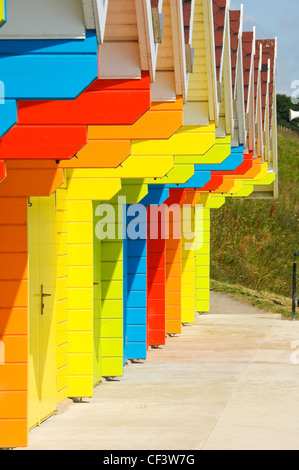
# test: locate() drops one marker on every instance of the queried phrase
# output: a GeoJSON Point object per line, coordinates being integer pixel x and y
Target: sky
{"type": "Point", "coordinates": [277, 18]}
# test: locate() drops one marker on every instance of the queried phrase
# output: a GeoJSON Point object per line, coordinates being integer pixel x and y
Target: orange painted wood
{"type": "Point", "coordinates": [226, 186]}
{"type": "Point", "coordinates": [42, 142]}
{"type": "Point", "coordinates": [14, 293]}
{"type": "Point", "coordinates": [191, 197]}
{"type": "Point", "coordinates": [102, 154]}
{"type": "Point", "coordinates": [16, 349]}
{"type": "Point", "coordinates": [13, 432]}
{"type": "Point", "coordinates": [152, 125]}
{"type": "Point", "coordinates": [13, 377]}
{"type": "Point", "coordinates": [250, 174]}
{"type": "Point", "coordinates": [13, 211]}
{"type": "Point", "coordinates": [14, 240]}
{"type": "Point", "coordinates": [13, 321]}
{"type": "Point", "coordinates": [31, 182]}
{"type": "Point", "coordinates": [103, 102]}
{"type": "Point", "coordinates": [173, 267]}
{"type": "Point", "coordinates": [13, 405]}
{"type": "Point", "coordinates": [13, 318]}
{"type": "Point", "coordinates": [2, 170]}
{"type": "Point", "coordinates": [13, 265]}
{"type": "Point", "coordinates": [96, 154]}
{"type": "Point", "coordinates": [176, 105]}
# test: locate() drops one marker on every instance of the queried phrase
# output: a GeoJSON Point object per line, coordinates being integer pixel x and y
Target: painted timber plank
{"type": "Point", "coordinates": [99, 104]}
{"type": "Point", "coordinates": [49, 68]}
{"type": "Point", "coordinates": [38, 142]}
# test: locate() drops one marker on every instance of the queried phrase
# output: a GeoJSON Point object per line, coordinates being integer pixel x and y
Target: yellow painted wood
{"type": "Point", "coordinates": [189, 140]}
{"type": "Point", "coordinates": [188, 269]}
{"type": "Point", "coordinates": [2, 12]}
{"type": "Point", "coordinates": [80, 280]}
{"type": "Point", "coordinates": [205, 198]}
{"type": "Point", "coordinates": [178, 175]}
{"type": "Point", "coordinates": [61, 300]}
{"type": "Point", "coordinates": [244, 192]}
{"type": "Point", "coordinates": [267, 180]}
{"type": "Point", "coordinates": [202, 259]}
{"type": "Point", "coordinates": [216, 202]}
{"type": "Point", "coordinates": [108, 295]}
{"type": "Point", "coordinates": [86, 186]}
{"type": "Point", "coordinates": [238, 185]}
{"type": "Point", "coordinates": [134, 190]}
{"type": "Point", "coordinates": [42, 362]}
{"type": "Point", "coordinates": [132, 167]}
{"type": "Point", "coordinates": [214, 155]}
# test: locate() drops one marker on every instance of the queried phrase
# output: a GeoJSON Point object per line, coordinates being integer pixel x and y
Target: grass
{"type": "Point", "coordinates": [263, 300]}
{"type": "Point", "coordinates": [253, 241]}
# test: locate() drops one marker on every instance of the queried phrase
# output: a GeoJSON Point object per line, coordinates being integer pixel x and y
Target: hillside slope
{"type": "Point", "coordinates": [253, 241]}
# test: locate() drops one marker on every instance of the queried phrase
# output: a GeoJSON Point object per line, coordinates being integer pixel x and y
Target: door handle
{"type": "Point", "coordinates": [43, 295]}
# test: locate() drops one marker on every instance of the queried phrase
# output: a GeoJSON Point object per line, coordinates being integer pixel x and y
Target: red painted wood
{"type": "Point", "coordinates": [103, 102]}
{"type": "Point", "coordinates": [245, 166]}
{"type": "Point", "coordinates": [155, 290]}
{"type": "Point", "coordinates": [214, 183]}
{"type": "Point", "coordinates": [42, 142]}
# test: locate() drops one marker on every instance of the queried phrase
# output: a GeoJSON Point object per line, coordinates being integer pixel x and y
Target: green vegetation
{"type": "Point", "coordinates": [253, 241]}
{"type": "Point", "coordinates": [284, 104]}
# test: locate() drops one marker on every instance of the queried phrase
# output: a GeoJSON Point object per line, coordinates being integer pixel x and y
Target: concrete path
{"type": "Point", "coordinates": [228, 382]}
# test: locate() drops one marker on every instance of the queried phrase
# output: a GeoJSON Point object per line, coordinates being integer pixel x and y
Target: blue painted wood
{"type": "Point", "coordinates": [50, 46]}
{"type": "Point", "coordinates": [198, 180]}
{"type": "Point", "coordinates": [136, 281]}
{"type": "Point", "coordinates": [157, 194]}
{"type": "Point", "coordinates": [136, 264]}
{"type": "Point", "coordinates": [136, 331]}
{"type": "Point", "coordinates": [48, 69]}
{"type": "Point", "coordinates": [8, 115]}
{"type": "Point", "coordinates": [136, 298]}
{"type": "Point", "coordinates": [135, 316]}
{"type": "Point", "coordinates": [135, 303]}
{"type": "Point", "coordinates": [229, 164]}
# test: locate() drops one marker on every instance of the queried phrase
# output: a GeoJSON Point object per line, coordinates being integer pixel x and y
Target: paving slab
{"type": "Point", "coordinates": [230, 381]}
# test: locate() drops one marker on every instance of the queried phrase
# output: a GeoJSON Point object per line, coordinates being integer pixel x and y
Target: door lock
{"type": "Point", "coordinates": [43, 295]}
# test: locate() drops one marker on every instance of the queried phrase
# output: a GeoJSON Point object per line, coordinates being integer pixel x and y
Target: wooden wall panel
{"type": "Point", "coordinates": [135, 315]}
{"type": "Point", "coordinates": [198, 80]}
{"type": "Point", "coordinates": [13, 323]}
{"type": "Point", "coordinates": [104, 102]}
{"type": "Point", "coordinates": [49, 68]}
{"type": "Point", "coordinates": [121, 22]}
{"type": "Point", "coordinates": [31, 19]}
{"type": "Point", "coordinates": [202, 259]}
{"type": "Point", "coordinates": [156, 279]}
{"type": "Point", "coordinates": [41, 142]}
{"type": "Point", "coordinates": [174, 264]}
{"type": "Point", "coordinates": [80, 296]}
{"type": "Point", "coordinates": [111, 312]}
{"type": "Point", "coordinates": [165, 59]}
{"type": "Point", "coordinates": [61, 299]}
